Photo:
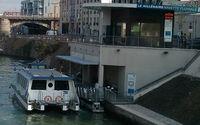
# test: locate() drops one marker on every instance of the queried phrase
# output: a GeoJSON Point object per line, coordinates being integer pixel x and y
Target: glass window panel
{"type": "Point", "coordinates": [39, 85]}
{"type": "Point", "coordinates": [61, 85]}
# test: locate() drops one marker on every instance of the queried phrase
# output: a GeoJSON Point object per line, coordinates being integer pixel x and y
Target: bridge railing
{"type": "Point", "coordinates": [29, 17]}
{"type": "Point", "coordinates": [44, 37]}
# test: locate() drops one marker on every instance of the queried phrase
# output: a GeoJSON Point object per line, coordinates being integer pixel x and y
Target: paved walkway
{"type": "Point", "coordinates": [147, 115]}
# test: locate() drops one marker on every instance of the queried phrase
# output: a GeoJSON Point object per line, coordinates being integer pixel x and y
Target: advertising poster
{"type": "Point", "coordinates": [168, 27]}
{"type": "Point", "coordinates": [131, 84]}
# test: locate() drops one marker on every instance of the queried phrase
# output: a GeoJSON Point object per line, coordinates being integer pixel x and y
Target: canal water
{"type": "Point", "coordinates": [11, 112]}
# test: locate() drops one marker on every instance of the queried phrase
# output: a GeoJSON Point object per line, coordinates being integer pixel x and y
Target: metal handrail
{"type": "Point", "coordinates": [116, 98]}
{"type": "Point", "coordinates": [170, 74]}
{"type": "Point", "coordinates": [139, 41]}
{"type": "Point", "coordinates": [156, 81]}
{"type": "Point", "coordinates": [191, 61]}
{"type": "Point", "coordinates": [90, 92]}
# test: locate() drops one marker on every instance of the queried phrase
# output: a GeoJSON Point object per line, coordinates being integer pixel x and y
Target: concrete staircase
{"type": "Point", "coordinates": [144, 116]}
{"type": "Point", "coordinates": [159, 82]}
{"type": "Point", "coordinates": [155, 84]}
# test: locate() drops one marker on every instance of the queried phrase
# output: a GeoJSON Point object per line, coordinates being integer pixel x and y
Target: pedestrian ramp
{"type": "Point", "coordinates": [144, 116]}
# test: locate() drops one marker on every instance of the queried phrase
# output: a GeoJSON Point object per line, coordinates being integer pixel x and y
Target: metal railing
{"type": "Point", "coordinates": [42, 37]}
{"type": "Point", "coordinates": [138, 41]}
{"type": "Point", "coordinates": [144, 41]}
{"type": "Point", "coordinates": [153, 83]}
{"type": "Point", "coordinates": [116, 97]}
{"type": "Point", "coordinates": [90, 92]}
{"type": "Point", "coordinates": [94, 93]}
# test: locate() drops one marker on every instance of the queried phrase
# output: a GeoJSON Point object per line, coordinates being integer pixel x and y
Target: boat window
{"type": "Point", "coordinates": [39, 85]}
{"type": "Point", "coordinates": [22, 80]}
{"type": "Point", "coordinates": [34, 67]}
{"type": "Point", "coordinates": [50, 85]}
{"type": "Point", "coordinates": [61, 85]}
{"type": "Point", "coordinates": [41, 67]}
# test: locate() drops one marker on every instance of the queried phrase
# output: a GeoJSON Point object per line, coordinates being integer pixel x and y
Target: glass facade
{"type": "Point", "coordinates": [137, 27]}
{"type": "Point", "coordinates": [32, 7]}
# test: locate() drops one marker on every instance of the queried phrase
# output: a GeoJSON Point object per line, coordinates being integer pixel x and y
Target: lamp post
{"type": "Point", "coordinates": [190, 34]}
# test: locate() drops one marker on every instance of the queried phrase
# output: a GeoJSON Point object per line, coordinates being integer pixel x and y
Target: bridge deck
{"type": "Point", "coordinates": [29, 18]}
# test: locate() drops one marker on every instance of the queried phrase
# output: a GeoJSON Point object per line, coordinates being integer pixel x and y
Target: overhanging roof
{"type": "Point", "coordinates": [77, 60]}
{"type": "Point", "coordinates": [108, 5]}
{"type": "Point", "coordinates": [176, 8]}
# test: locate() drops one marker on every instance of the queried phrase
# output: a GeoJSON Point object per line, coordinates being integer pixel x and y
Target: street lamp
{"type": "Point", "coordinates": [190, 30]}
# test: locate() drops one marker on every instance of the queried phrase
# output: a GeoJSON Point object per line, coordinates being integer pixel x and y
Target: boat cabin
{"type": "Point", "coordinates": [37, 88]}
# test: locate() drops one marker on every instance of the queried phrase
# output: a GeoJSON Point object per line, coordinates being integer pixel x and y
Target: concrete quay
{"type": "Point", "coordinates": [143, 115]}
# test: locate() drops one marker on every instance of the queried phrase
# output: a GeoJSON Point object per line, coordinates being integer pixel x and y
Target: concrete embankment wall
{"type": "Point", "coordinates": [148, 64]}
{"type": "Point", "coordinates": [32, 48]}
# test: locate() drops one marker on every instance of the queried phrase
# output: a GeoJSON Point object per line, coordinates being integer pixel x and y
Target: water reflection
{"type": "Point", "coordinates": [69, 118]}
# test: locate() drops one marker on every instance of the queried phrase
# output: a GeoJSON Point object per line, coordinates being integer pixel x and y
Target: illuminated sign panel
{"type": "Point", "coordinates": [170, 7]}
{"type": "Point", "coordinates": [168, 27]}
{"type": "Point", "coordinates": [106, 1]}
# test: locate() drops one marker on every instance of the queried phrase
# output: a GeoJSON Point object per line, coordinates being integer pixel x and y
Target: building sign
{"type": "Point", "coordinates": [150, 6]}
{"type": "Point", "coordinates": [168, 27]}
{"type": "Point", "coordinates": [175, 8]}
{"type": "Point", "coordinates": [131, 84]}
{"type": "Point", "coordinates": [191, 9]}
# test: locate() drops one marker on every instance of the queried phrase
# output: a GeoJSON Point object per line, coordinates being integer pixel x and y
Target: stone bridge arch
{"type": "Point", "coordinates": [6, 23]}
{"type": "Point", "coordinates": [33, 27]}
{"type": "Point", "coordinates": [31, 22]}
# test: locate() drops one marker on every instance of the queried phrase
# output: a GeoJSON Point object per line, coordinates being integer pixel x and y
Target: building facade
{"type": "Point", "coordinates": [133, 47]}
{"type": "Point", "coordinates": [32, 7]}
{"type": "Point", "coordinates": [64, 22]}
{"type": "Point", "coordinates": [121, 23]}
{"type": "Point", "coordinates": [188, 23]}
{"type": "Point", "coordinates": [52, 8]}
{"type": "Point", "coordinates": [77, 20]}
{"type": "Point", "coordinates": [85, 21]}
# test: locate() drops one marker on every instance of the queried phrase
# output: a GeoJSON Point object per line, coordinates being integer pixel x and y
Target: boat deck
{"type": "Point", "coordinates": [44, 74]}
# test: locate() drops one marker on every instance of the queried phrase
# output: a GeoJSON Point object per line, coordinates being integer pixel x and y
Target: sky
{"type": "Point", "coordinates": [10, 5]}
{"type": "Point", "coordinates": [14, 5]}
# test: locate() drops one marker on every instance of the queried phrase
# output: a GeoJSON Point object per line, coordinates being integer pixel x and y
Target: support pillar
{"type": "Point", "coordinates": [100, 26]}
{"type": "Point", "coordinates": [101, 75]}
{"type": "Point", "coordinates": [5, 26]}
{"type": "Point", "coordinates": [88, 74]}
{"type": "Point", "coordinates": [52, 25]}
{"type": "Point", "coordinates": [70, 68]}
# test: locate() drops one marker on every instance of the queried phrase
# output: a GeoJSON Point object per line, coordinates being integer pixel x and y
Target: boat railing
{"type": "Point", "coordinates": [90, 92]}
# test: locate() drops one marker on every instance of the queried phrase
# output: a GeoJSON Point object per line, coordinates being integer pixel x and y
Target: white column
{"type": "Point", "coordinates": [100, 25]}
{"type": "Point", "coordinates": [101, 69]}
{"type": "Point", "coordinates": [70, 68]}
{"type": "Point", "coordinates": [101, 74]}
{"type": "Point", "coordinates": [5, 26]}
